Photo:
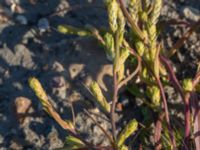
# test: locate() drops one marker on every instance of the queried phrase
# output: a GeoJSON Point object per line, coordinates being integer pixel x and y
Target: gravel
{"type": "Point", "coordinates": [64, 64]}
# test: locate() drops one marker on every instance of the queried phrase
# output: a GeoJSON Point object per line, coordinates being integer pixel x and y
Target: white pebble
{"type": "Point", "coordinates": [191, 13]}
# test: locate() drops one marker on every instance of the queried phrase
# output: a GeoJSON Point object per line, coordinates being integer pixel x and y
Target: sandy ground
{"type": "Point", "coordinates": [64, 64]}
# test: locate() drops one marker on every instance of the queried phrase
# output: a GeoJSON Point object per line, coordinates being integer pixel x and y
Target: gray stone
{"type": "Point", "coordinates": [75, 70]}
{"type": "Point", "coordinates": [54, 141]}
{"type": "Point", "coordinates": [22, 20]}
{"type": "Point", "coordinates": [43, 24]}
{"type": "Point", "coordinates": [191, 13]}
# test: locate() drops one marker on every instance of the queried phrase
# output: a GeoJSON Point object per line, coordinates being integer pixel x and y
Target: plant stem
{"type": "Point", "coordinates": [102, 129]}
{"type": "Point", "coordinates": [181, 41]}
{"type": "Point", "coordinates": [187, 120]}
{"type": "Point", "coordinates": [185, 97]}
{"type": "Point", "coordinates": [158, 129]}
{"type": "Point", "coordinates": [127, 79]}
{"type": "Point", "coordinates": [166, 112]}
{"type": "Point", "coordinates": [172, 75]}
{"type": "Point", "coordinates": [115, 88]}
{"type": "Point", "coordinates": [196, 80]}
{"type": "Point", "coordinates": [164, 104]}
{"type": "Point", "coordinates": [114, 101]}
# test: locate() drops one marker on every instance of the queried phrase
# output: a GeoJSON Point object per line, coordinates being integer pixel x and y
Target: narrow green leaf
{"type": "Point", "coordinates": [67, 29]}
{"type": "Point", "coordinates": [73, 143]}
{"type": "Point", "coordinates": [129, 129]}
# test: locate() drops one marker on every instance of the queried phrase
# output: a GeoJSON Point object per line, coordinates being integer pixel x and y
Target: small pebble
{"type": "Point", "coordinates": [16, 8]}
{"type": "Point", "coordinates": [191, 13]}
{"type": "Point", "coordinates": [43, 24]}
{"type": "Point", "coordinates": [58, 82]}
{"type": "Point", "coordinates": [123, 102]}
{"type": "Point", "coordinates": [63, 5]}
{"type": "Point", "coordinates": [22, 106]}
{"type": "Point", "coordinates": [75, 70]}
{"type": "Point", "coordinates": [4, 18]}
{"type": "Point", "coordinates": [15, 145]}
{"type": "Point", "coordinates": [59, 86]}
{"type": "Point", "coordinates": [22, 19]}
{"type": "Point", "coordinates": [33, 2]}
{"type": "Point", "coordinates": [9, 2]}
{"type": "Point", "coordinates": [58, 67]}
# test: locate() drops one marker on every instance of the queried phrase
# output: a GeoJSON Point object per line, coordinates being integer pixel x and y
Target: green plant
{"type": "Point", "coordinates": [132, 38]}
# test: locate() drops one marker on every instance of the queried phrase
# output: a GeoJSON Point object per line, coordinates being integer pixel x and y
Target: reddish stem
{"type": "Point", "coordinates": [164, 104]}
{"type": "Point", "coordinates": [166, 112]}
{"type": "Point", "coordinates": [114, 101]}
{"type": "Point", "coordinates": [185, 97]}
{"type": "Point", "coordinates": [115, 88]}
{"type": "Point", "coordinates": [187, 121]}
{"type": "Point", "coordinates": [127, 79]}
{"type": "Point", "coordinates": [157, 136]}
{"type": "Point", "coordinates": [186, 35]}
